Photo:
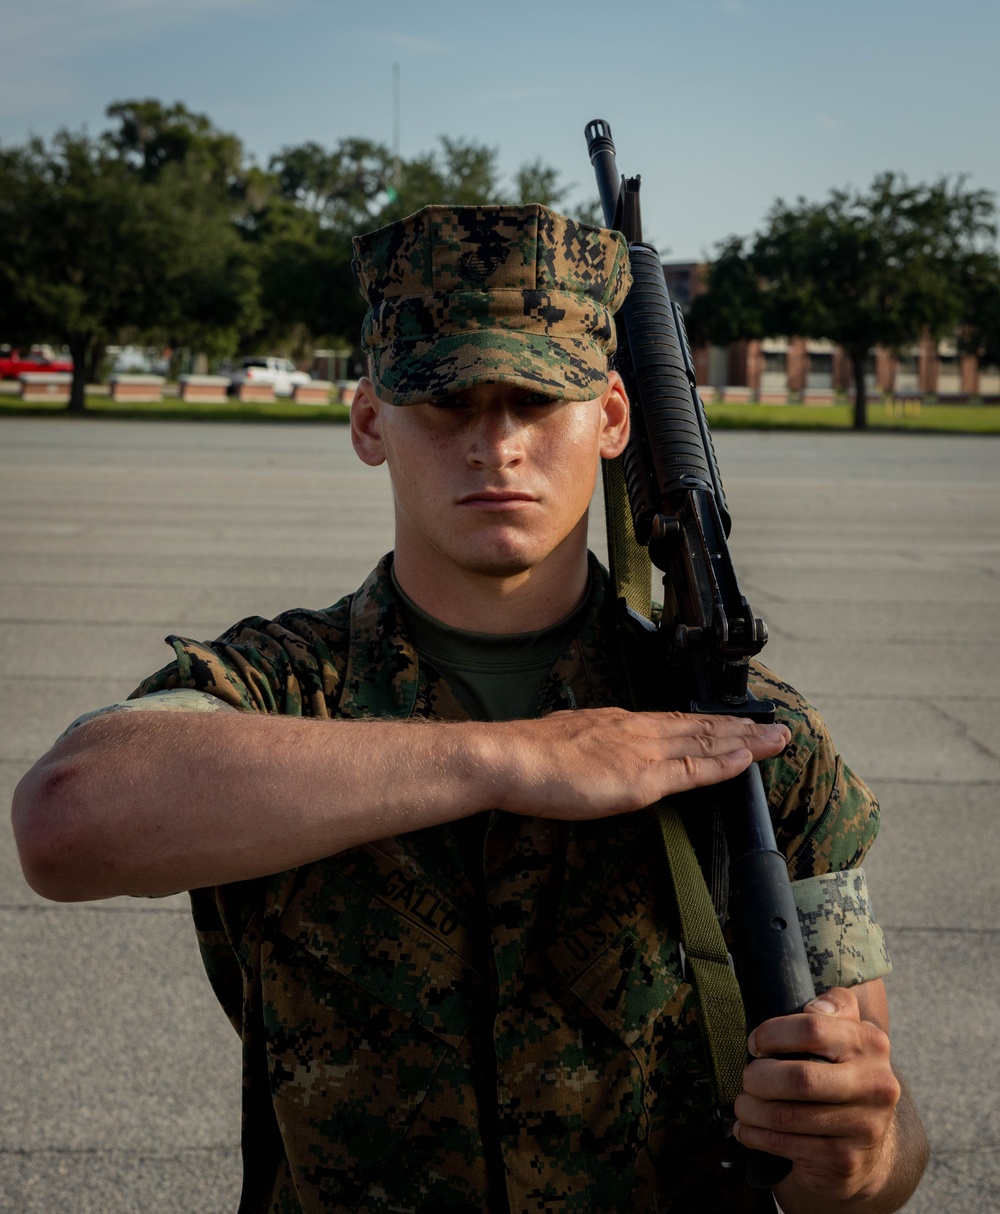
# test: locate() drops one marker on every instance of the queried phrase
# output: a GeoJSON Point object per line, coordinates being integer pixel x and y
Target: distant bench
{"type": "Point", "coordinates": [46, 385]}
{"type": "Point", "coordinates": [204, 389]}
{"type": "Point", "coordinates": [257, 393]}
{"type": "Point", "coordinates": [316, 392]}
{"type": "Point", "coordinates": [136, 387]}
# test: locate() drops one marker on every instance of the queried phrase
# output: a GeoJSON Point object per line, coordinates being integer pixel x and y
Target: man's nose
{"type": "Point", "coordinates": [497, 439]}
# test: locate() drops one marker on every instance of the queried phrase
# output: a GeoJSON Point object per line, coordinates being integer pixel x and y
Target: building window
{"type": "Point", "coordinates": [907, 377]}
{"type": "Point", "coordinates": [679, 285]}
{"type": "Point", "coordinates": [819, 373]}
{"type": "Point", "coordinates": [949, 378]}
{"type": "Point", "coordinates": [989, 381]}
{"type": "Point", "coordinates": [774, 373]}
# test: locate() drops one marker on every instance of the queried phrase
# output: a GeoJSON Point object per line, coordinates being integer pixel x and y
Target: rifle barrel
{"type": "Point", "coordinates": [601, 148]}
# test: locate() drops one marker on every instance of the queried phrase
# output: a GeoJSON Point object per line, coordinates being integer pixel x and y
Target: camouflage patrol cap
{"type": "Point", "coordinates": [468, 295]}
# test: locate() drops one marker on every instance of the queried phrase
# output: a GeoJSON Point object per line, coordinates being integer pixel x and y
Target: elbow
{"type": "Point", "coordinates": [48, 814]}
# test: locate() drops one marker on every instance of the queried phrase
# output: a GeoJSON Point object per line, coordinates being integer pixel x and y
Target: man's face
{"type": "Point", "coordinates": [494, 480]}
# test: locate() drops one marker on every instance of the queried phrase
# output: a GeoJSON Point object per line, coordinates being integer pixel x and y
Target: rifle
{"type": "Point", "coordinates": [707, 630]}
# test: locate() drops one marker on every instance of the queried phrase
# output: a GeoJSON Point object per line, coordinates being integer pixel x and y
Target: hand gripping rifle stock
{"type": "Point", "coordinates": [680, 515]}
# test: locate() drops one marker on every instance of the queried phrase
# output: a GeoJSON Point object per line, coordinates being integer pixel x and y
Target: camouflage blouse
{"type": "Point", "coordinates": [422, 1033]}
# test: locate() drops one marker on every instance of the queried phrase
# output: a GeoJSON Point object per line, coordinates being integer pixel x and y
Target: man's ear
{"type": "Point", "coordinates": [614, 433]}
{"type": "Point", "coordinates": [366, 425]}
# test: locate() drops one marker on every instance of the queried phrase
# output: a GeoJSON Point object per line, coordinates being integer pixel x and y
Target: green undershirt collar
{"type": "Point", "coordinates": [495, 676]}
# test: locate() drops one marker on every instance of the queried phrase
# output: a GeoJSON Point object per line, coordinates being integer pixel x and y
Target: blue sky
{"type": "Point", "coordinates": [722, 105]}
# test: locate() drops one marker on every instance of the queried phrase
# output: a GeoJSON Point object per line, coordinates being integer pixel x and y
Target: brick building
{"type": "Point", "coordinates": [776, 368]}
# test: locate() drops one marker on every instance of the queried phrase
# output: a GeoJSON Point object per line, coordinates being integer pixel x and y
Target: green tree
{"type": "Point", "coordinates": [862, 269]}
{"type": "Point", "coordinates": [301, 236]}
{"type": "Point", "coordinates": [307, 291]}
{"type": "Point", "coordinates": [341, 187]}
{"type": "Point", "coordinates": [463, 172]}
{"type": "Point", "coordinates": [151, 136]}
{"type": "Point", "coordinates": [90, 247]}
{"type": "Point", "coordinates": [158, 228]}
{"type": "Point", "coordinates": [536, 181]}
{"type": "Point", "coordinates": [466, 172]}
{"type": "Point", "coordinates": [734, 307]}
{"type": "Point", "coordinates": [980, 327]}
{"type": "Point", "coordinates": [590, 212]}
{"type": "Point", "coordinates": [301, 226]}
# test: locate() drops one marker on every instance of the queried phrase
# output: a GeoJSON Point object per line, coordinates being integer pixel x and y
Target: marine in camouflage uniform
{"type": "Point", "coordinates": [401, 1033]}
{"type": "Point", "coordinates": [427, 1027]}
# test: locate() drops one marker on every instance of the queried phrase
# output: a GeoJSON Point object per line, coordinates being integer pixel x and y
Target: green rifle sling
{"type": "Point", "coordinates": [709, 970]}
{"type": "Point", "coordinates": [628, 562]}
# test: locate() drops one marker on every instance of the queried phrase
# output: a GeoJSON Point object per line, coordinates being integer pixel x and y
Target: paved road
{"type": "Point", "coordinates": [874, 559]}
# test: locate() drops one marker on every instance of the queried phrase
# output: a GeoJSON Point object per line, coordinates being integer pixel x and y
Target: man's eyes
{"type": "Point", "coordinates": [523, 400]}
{"type": "Point", "coordinates": [448, 403]}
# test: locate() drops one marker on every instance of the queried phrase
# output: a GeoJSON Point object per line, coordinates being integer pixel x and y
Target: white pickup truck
{"type": "Point", "coordinates": [280, 373]}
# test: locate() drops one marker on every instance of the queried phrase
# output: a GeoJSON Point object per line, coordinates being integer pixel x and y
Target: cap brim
{"type": "Point", "coordinates": [416, 370]}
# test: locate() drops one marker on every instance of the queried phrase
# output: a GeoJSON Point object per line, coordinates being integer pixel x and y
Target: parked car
{"type": "Point", "coordinates": [40, 358]}
{"type": "Point", "coordinates": [280, 373]}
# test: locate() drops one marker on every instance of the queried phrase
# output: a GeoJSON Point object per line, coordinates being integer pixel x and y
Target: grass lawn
{"type": "Point", "coordinates": [173, 409]}
{"type": "Point", "coordinates": [959, 419]}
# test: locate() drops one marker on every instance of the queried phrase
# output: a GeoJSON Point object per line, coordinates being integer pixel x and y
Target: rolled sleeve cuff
{"type": "Point", "coordinates": [844, 944]}
{"type": "Point", "coordinates": [181, 699]}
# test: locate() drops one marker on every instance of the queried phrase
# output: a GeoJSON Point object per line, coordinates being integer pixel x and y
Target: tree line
{"type": "Point", "coordinates": [864, 268]}
{"type": "Point", "coordinates": [161, 229]}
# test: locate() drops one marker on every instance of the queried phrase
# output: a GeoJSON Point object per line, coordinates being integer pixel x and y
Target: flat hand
{"type": "Point", "coordinates": [834, 1120]}
{"type": "Point", "coordinates": [598, 762]}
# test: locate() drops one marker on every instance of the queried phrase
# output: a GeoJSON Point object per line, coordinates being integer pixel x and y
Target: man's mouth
{"type": "Point", "coordinates": [495, 497]}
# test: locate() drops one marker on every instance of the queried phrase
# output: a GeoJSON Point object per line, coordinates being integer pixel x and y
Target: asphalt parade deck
{"type": "Point", "coordinates": [875, 560]}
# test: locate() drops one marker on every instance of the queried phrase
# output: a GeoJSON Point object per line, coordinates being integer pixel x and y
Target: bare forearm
{"type": "Point", "coordinates": [150, 803]}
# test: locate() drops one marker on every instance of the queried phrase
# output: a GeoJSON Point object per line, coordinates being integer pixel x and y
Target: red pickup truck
{"type": "Point", "coordinates": [12, 363]}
